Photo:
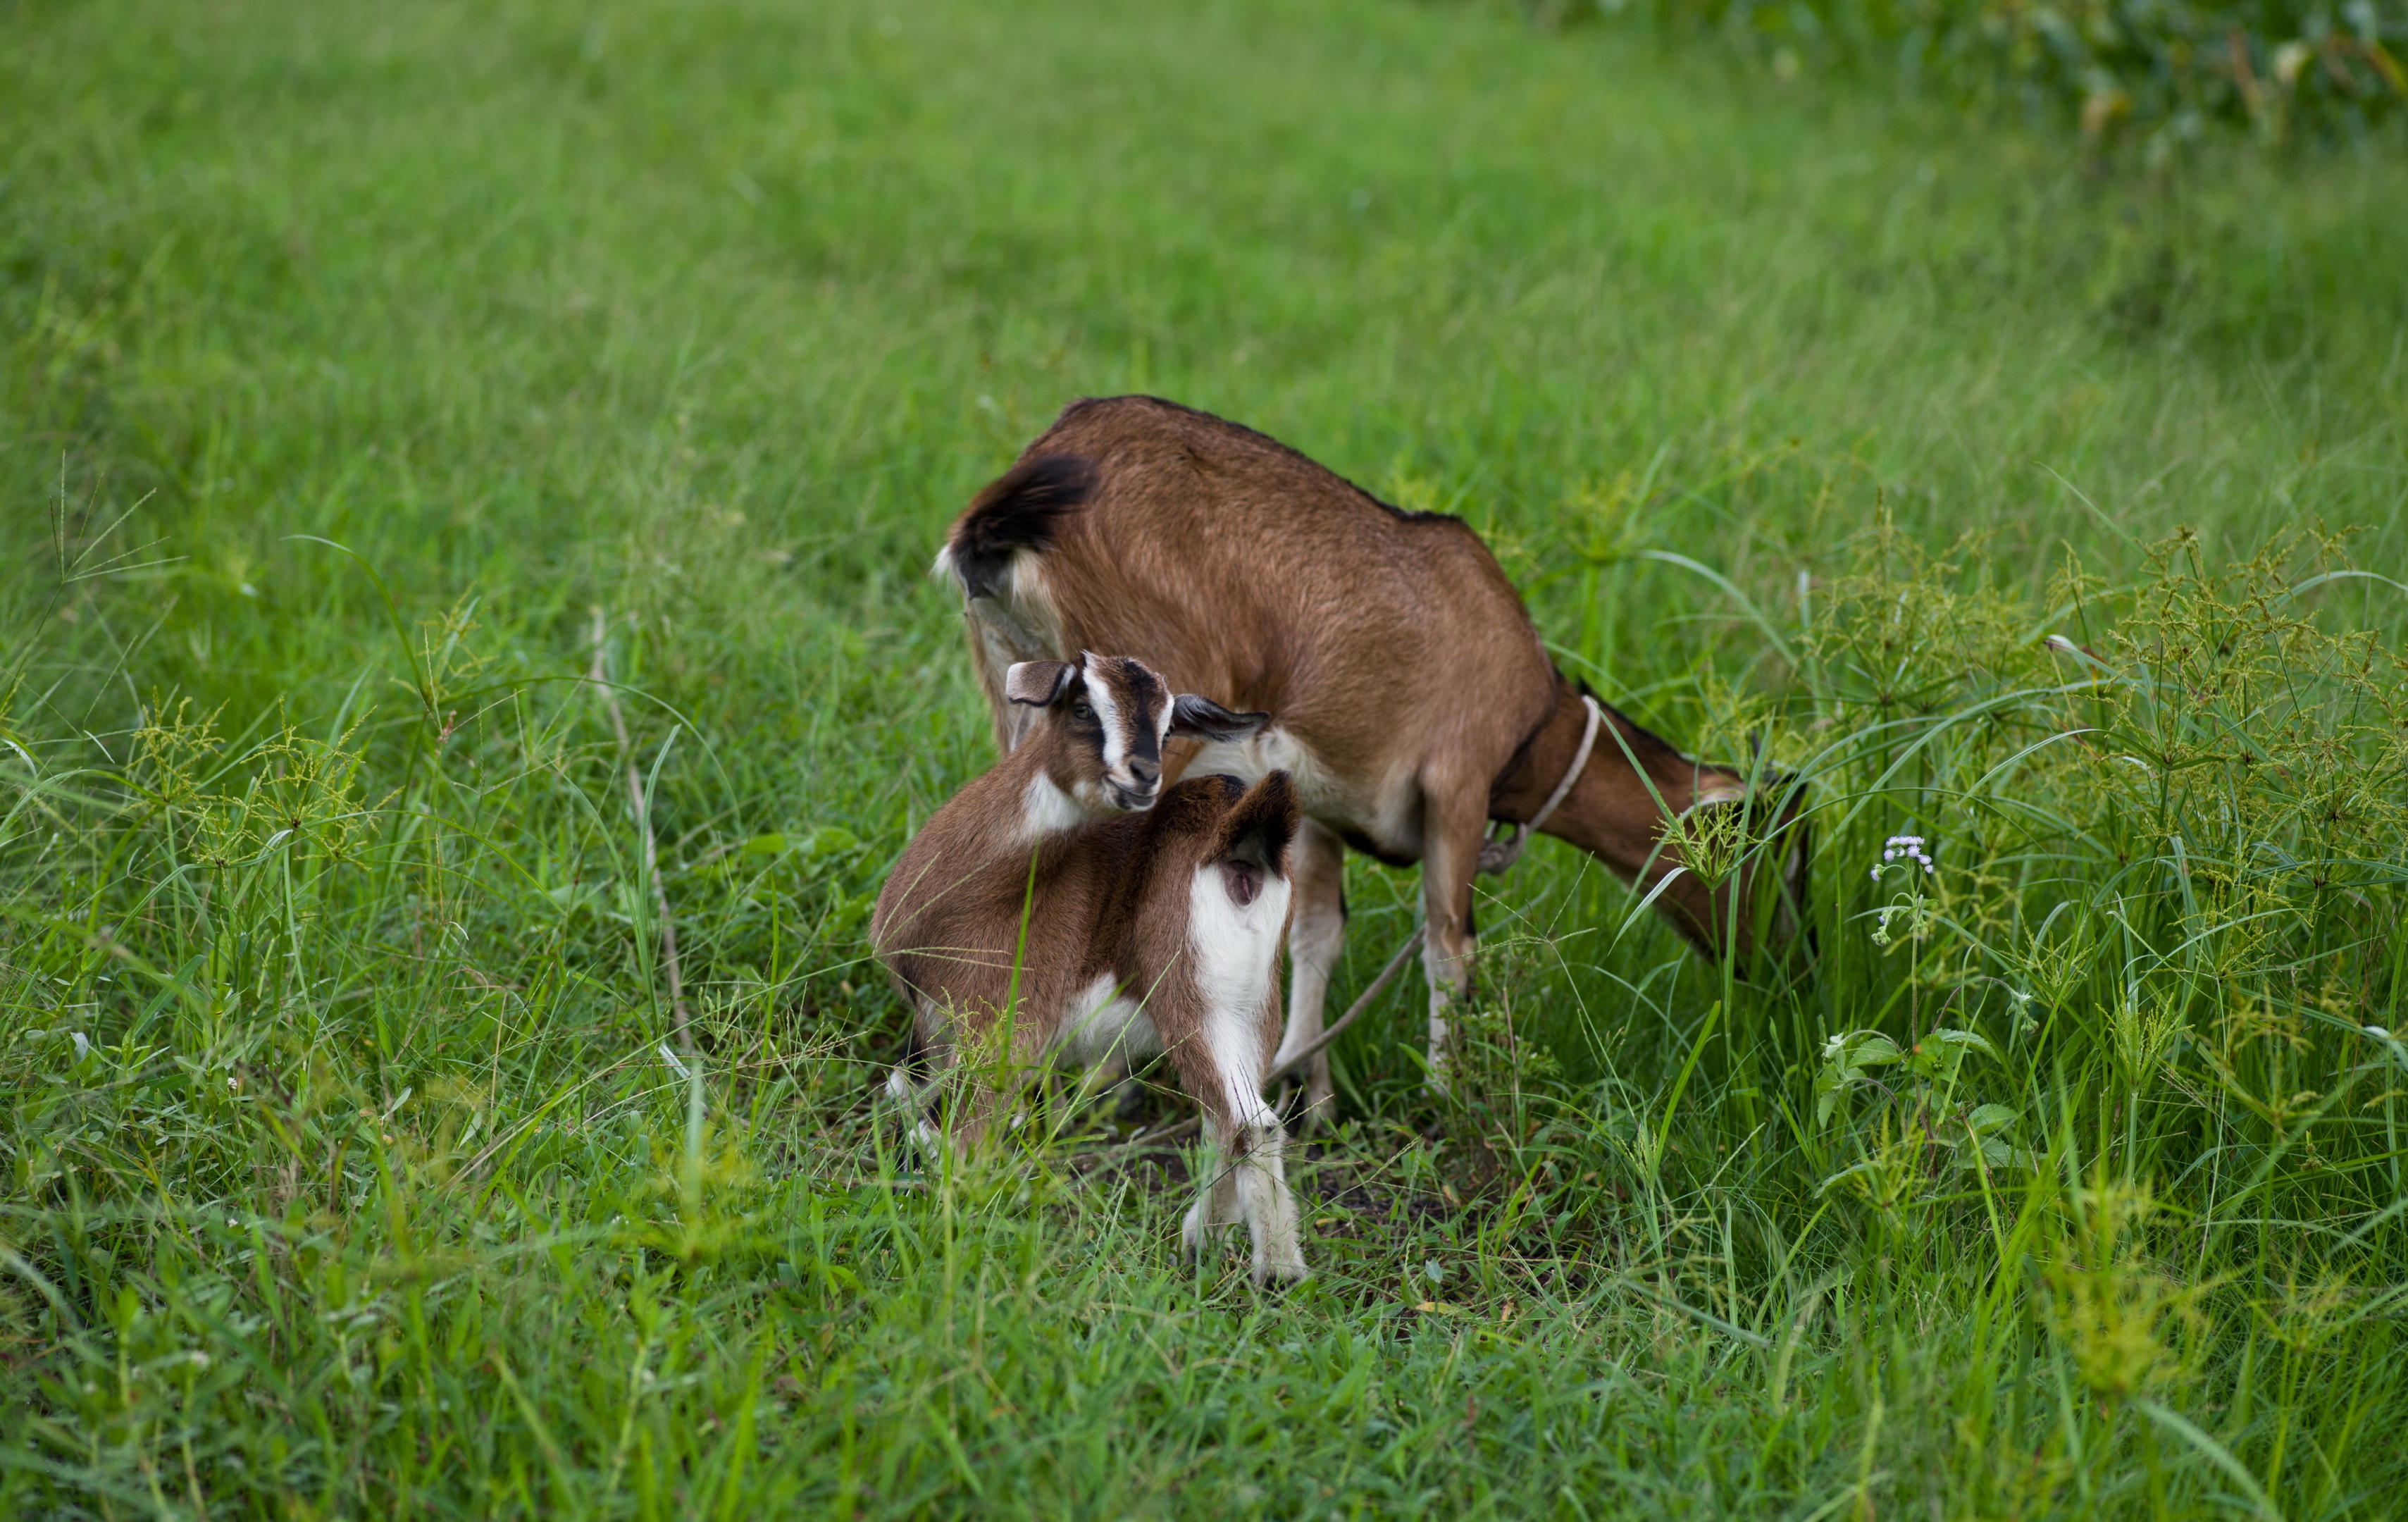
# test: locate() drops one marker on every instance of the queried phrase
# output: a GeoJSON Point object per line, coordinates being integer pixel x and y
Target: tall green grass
{"type": "Point", "coordinates": [2163, 73]}
{"type": "Point", "coordinates": [365, 370]}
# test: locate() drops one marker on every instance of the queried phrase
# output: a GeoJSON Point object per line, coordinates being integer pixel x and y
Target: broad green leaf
{"type": "Point", "coordinates": [1991, 1119]}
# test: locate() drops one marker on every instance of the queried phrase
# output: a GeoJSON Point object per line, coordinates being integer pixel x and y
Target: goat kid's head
{"type": "Point", "coordinates": [1103, 720]}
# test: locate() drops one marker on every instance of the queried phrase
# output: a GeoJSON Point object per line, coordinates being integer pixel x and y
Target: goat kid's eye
{"type": "Point", "coordinates": [1081, 710]}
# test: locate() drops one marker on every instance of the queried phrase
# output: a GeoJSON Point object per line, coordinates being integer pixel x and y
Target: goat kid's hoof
{"type": "Point", "coordinates": [929, 1141]}
{"type": "Point", "coordinates": [1281, 1275]}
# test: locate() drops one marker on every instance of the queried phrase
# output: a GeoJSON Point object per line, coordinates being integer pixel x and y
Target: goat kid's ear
{"type": "Point", "coordinates": [1204, 718]}
{"type": "Point", "coordinates": [1037, 683]}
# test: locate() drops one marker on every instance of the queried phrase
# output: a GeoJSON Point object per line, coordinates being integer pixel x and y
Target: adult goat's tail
{"type": "Point", "coordinates": [1020, 509]}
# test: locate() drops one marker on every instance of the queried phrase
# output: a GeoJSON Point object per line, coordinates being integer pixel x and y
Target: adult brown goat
{"type": "Point", "coordinates": [1411, 698]}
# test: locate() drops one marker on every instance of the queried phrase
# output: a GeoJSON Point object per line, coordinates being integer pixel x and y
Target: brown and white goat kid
{"type": "Point", "coordinates": [1065, 907]}
{"type": "Point", "coordinates": [1409, 694]}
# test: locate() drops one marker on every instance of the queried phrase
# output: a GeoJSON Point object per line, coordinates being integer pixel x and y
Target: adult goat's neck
{"type": "Point", "coordinates": [1621, 806]}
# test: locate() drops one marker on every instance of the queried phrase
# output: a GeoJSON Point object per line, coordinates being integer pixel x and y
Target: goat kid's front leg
{"type": "Point", "coordinates": [1317, 934]}
{"type": "Point", "coordinates": [1269, 1205]}
{"type": "Point", "coordinates": [1247, 1181]}
{"type": "Point", "coordinates": [966, 1090]}
{"type": "Point", "coordinates": [1245, 1161]}
{"type": "Point", "coordinates": [915, 1084]}
{"type": "Point", "coordinates": [1216, 1208]}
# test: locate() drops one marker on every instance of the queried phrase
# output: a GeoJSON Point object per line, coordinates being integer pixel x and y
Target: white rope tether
{"type": "Point", "coordinates": [1498, 854]}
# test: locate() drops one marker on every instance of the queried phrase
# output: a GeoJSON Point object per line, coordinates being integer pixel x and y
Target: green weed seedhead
{"type": "Point", "coordinates": [298, 793]}
{"type": "Point", "coordinates": [1736, 722]}
{"type": "Point", "coordinates": [2116, 1313]}
{"type": "Point", "coordinates": [2053, 966]}
{"type": "Point", "coordinates": [1712, 840]}
{"type": "Point", "coordinates": [171, 748]}
{"type": "Point", "coordinates": [1609, 518]}
{"type": "Point", "coordinates": [2146, 1035]}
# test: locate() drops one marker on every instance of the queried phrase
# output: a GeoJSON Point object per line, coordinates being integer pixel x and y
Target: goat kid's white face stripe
{"type": "Point", "coordinates": [1108, 710]}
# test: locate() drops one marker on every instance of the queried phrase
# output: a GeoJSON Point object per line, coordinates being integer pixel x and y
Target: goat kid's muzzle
{"type": "Point", "coordinates": [1132, 799]}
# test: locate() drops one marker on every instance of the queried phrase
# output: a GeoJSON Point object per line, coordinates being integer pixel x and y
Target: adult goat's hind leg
{"type": "Point", "coordinates": [1317, 934]}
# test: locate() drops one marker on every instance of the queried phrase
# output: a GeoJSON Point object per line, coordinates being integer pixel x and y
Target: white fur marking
{"type": "Point", "coordinates": [1108, 711]}
{"type": "Point", "coordinates": [1234, 948]}
{"type": "Point", "coordinates": [1102, 1023]}
{"type": "Point", "coordinates": [1048, 810]}
{"type": "Point", "coordinates": [1267, 750]}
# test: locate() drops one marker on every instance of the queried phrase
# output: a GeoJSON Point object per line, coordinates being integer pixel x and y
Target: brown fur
{"type": "Point", "coordinates": [1106, 899]}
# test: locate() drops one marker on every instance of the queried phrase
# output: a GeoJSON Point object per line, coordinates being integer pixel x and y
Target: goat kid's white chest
{"type": "Point", "coordinates": [1047, 809]}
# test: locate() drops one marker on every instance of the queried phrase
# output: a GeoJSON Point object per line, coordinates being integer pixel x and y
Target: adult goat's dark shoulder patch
{"type": "Point", "coordinates": [1020, 509]}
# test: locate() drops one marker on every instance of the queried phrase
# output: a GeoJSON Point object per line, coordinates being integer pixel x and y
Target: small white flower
{"type": "Point", "coordinates": [1904, 848]}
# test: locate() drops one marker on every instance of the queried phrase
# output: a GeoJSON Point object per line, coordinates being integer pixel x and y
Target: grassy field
{"type": "Point", "coordinates": [372, 372]}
